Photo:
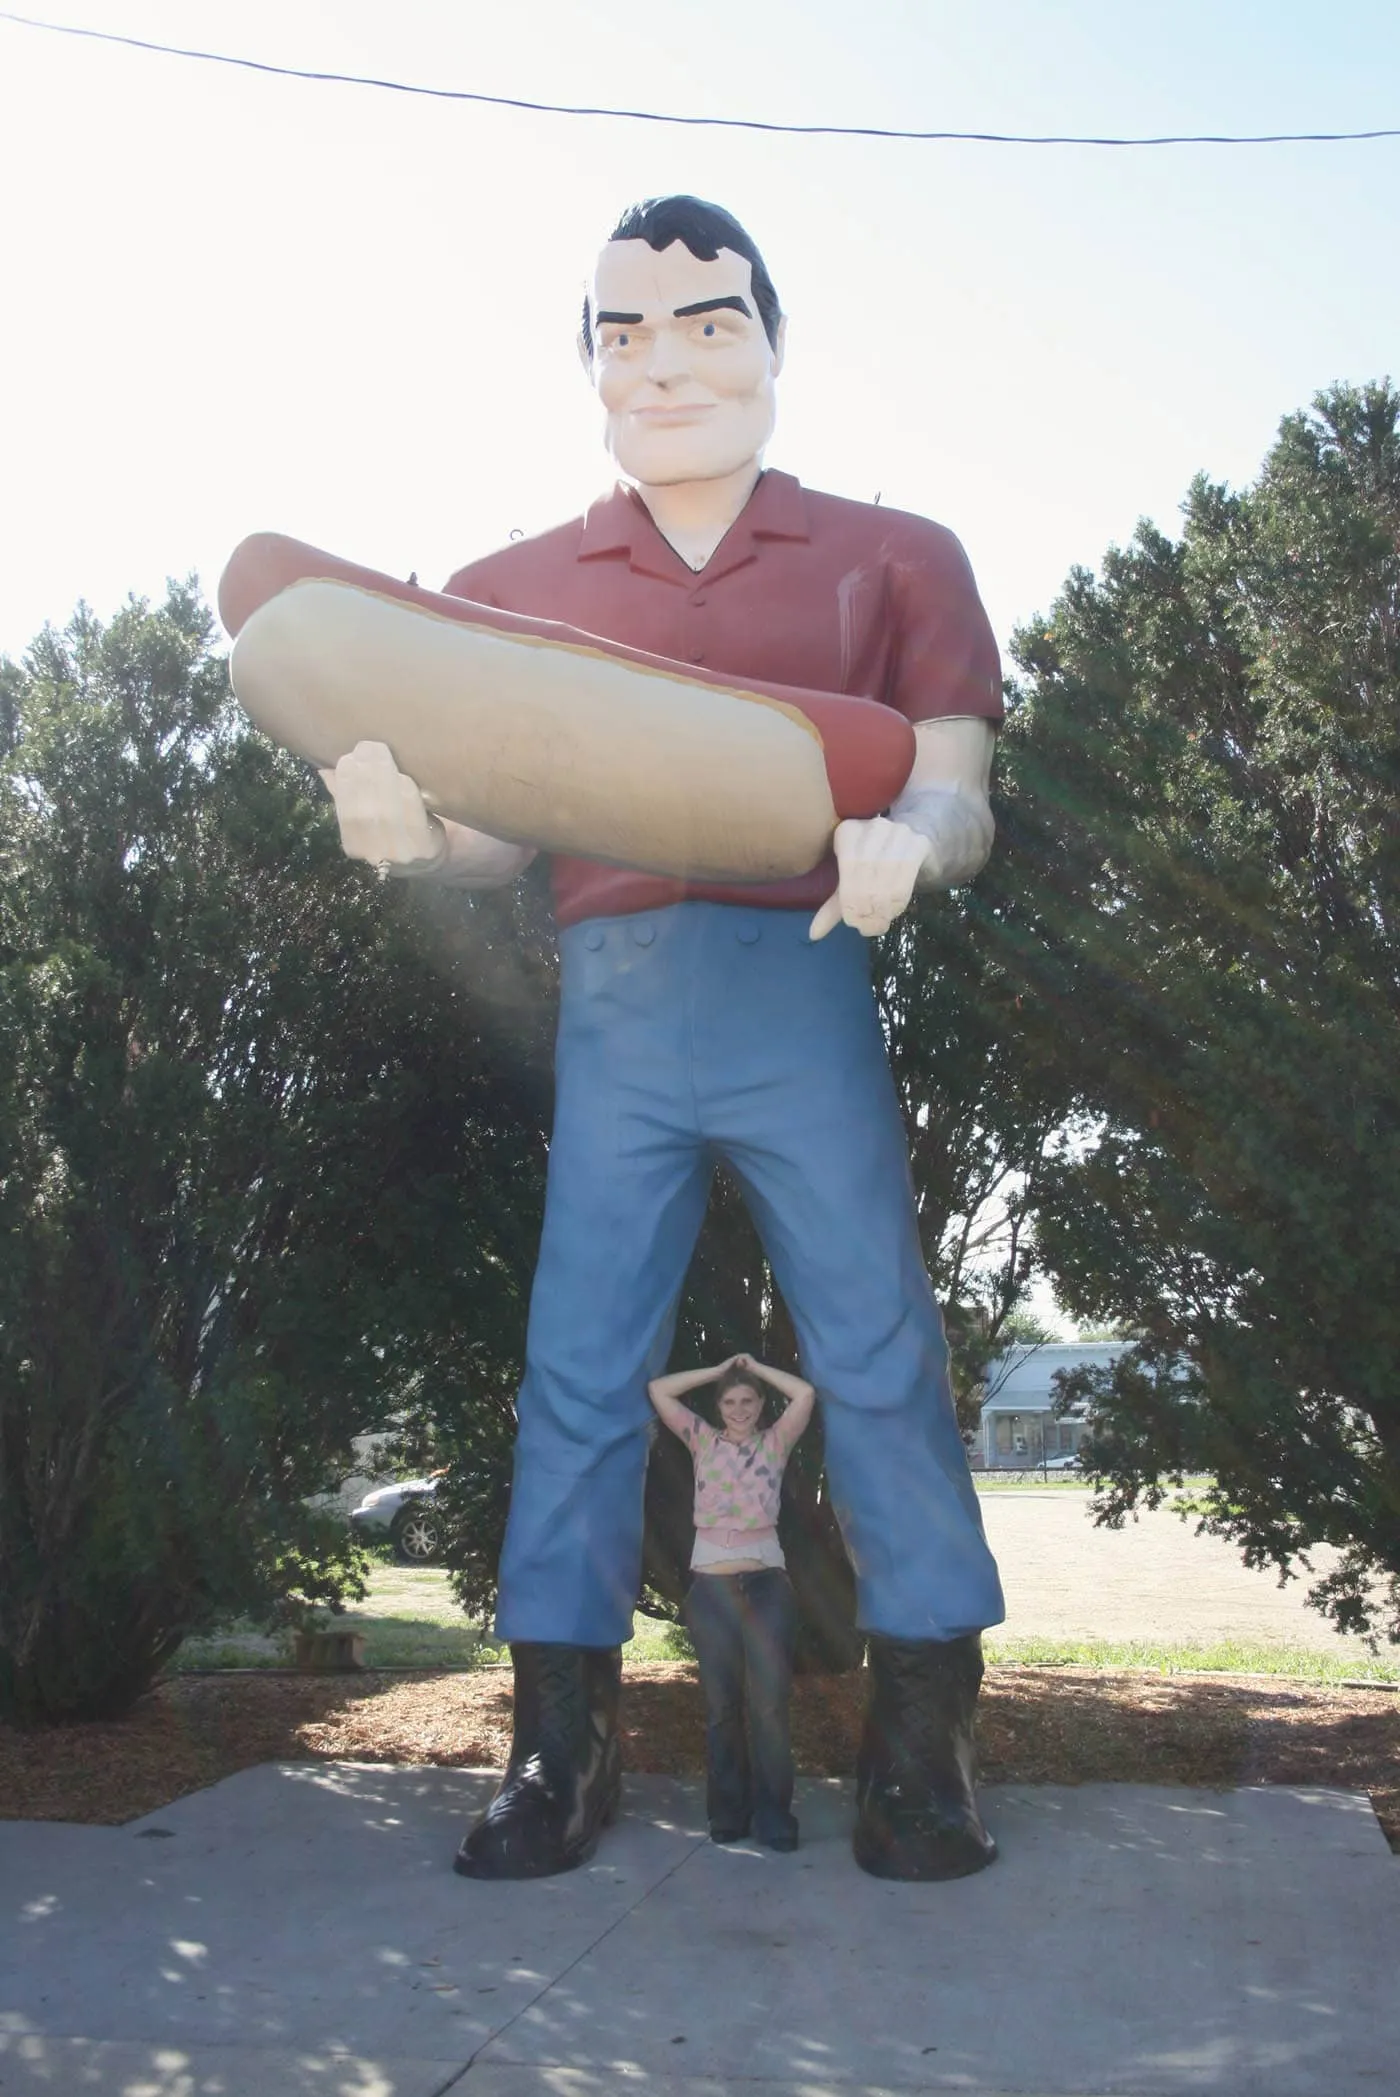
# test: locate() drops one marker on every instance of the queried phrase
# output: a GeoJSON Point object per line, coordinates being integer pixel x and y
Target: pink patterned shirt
{"type": "Point", "coordinates": [738, 1484]}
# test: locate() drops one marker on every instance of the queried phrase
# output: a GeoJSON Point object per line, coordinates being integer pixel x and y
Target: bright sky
{"type": "Point", "coordinates": [233, 302]}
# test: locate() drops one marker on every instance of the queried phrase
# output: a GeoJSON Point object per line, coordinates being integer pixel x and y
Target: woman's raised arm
{"type": "Point", "coordinates": [665, 1393]}
{"type": "Point", "coordinates": [800, 1394]}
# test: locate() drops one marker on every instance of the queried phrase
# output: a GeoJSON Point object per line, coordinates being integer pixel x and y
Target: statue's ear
{"type": "Point", "coordinates": [585, 355]}
{"type": "Point", "coordinates": [780, 346]}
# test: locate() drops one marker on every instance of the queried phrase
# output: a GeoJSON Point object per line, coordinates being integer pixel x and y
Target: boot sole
{"type": "Point", "coordinates": [469, 1867]}
{"type": "Point", "coordinates": [928, 1867]}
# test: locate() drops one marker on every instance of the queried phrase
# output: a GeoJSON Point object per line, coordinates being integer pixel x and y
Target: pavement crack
{"type": "Point", "coordinates": [573, 1965]}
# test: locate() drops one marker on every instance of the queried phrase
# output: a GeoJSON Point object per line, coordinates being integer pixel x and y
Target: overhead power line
{"type": "Point", "coordinates": [653, 116]}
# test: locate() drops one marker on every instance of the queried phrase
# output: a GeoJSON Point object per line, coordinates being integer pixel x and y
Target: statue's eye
{"type": "Point", "coordinates": [709, 327]}
{"type": "Point", "coordinates": [622, 342]}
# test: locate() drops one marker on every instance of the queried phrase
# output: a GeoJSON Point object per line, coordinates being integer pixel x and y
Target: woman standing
{"type": "Point", "coordinates": [740, 1611]}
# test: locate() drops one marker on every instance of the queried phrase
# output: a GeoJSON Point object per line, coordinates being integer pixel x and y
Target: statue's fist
{"type": "Point", "coordinates": [877, 863]}
{"type": "Point", "coordinates": [381, 813]}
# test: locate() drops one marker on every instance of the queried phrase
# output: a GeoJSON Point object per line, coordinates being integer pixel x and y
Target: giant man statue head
{"type": "Point", "coordinates": [682, 337]}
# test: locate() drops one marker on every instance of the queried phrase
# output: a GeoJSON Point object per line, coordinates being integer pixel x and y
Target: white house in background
{"type": "Point", "coordinates": [1018, 1429]}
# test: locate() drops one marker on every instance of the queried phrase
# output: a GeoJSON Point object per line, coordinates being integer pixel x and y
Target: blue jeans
{"type": "Point", "coordinates": [743, 1626]}
{"type": "Point", "coordinates": [709, 1031]}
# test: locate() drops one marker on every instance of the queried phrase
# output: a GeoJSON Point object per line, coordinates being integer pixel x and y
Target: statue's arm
{"type": "Point", "coordinates": [947, 800]}
{"type": "Point", "coordinates": [383, 820]}
{"type": "Point", "coordinates": [937, 834]}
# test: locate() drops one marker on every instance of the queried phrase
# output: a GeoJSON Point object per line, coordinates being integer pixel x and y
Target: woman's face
{"type": "Point", "coordinates": [739, 1409]}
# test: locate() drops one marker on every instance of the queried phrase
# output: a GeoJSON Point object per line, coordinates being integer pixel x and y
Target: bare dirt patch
{"type": "Point", "coordinates": [1154, 1579]}
{"type": "Point", "coordinates": [1038, 1726]}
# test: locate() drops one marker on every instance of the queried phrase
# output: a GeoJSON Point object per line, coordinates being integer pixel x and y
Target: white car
{"type": "Point", "coordinates": [1060, 1463]}
{"type": "Point", "coordinates": [407, 1512]}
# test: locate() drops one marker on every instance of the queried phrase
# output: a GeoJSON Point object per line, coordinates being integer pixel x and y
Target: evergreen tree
{"type": "Point", "coordinates": [1202, 899]}
{"type": "Point", "coordinates": [271, 1140]}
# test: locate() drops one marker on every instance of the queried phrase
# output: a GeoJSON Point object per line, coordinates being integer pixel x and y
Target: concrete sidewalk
{"type": "Point", "coordinates": [297, 1932]}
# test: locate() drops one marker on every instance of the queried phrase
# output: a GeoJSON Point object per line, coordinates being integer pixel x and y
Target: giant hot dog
{"type": "Point", "coordinates": [544, 735]}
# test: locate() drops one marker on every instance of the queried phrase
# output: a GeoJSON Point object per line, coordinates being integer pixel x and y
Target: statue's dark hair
{"type": "Point", "coordinates": [704, 229]}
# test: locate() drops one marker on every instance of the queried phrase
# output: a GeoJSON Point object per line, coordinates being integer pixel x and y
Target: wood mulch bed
{"type": "Point", "coordinates": [1038, 1726]}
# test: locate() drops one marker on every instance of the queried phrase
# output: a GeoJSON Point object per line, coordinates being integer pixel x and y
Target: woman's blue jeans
{"type": "Point", "coordinates": [743, 1625]}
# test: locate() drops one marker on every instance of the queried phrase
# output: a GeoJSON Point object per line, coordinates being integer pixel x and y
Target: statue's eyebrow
{"type": "Point", "coordinates": [620, 320]}
{"type": "Point", "coordinates": [735, 304]}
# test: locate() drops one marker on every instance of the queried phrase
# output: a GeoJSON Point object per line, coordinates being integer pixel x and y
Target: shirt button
{"type": "Point", "coordinates": [748, 935]}
{"type": "Point", "coordinates": [697, 655]}
{"type": "Point", "coordinates": [593, 938]}
{"type": "Point", "coordinates": [644, 934]}
{"type": "Point", "coordinates": [699, 598]}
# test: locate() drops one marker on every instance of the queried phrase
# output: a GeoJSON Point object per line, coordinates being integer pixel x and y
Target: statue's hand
{"type": "Point", "coordinates": [877, 863]}
{"type": "Point", "coordinates": [381, 813]}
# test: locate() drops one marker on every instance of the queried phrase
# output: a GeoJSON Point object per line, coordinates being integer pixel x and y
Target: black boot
{"type": "Point", "coordinates": [916, 1806]}
{"type": "Point", "coordinates": [564, 1779]}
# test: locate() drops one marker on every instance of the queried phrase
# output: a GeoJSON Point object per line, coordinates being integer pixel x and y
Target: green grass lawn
{"type": "Point", "coordinates": [409, 1619]}
{"type": "Point", "coordinates": [1031, 1482]}
{"type": "Point", "coordinates": [1216, 1657]}
{"type": "Point", "coordinates": [1034, 1481]}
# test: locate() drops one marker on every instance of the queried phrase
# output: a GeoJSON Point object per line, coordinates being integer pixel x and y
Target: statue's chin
{"type": "Point", "coordinates": [706, 451]}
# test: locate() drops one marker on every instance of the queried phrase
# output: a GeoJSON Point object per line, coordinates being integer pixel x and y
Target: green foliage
{"type": "Point", "coordinates": [1203, 776]}
{"type": "Point", "coordinates": [270, 1159]}
{"type": "Point", "coordinates": [981, 1125]}
{"type": "Point", "coordinates": [456, 1411]}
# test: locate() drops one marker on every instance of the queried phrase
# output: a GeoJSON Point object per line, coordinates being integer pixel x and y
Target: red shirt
{"type": "Point", "coordinates": [804, 589]}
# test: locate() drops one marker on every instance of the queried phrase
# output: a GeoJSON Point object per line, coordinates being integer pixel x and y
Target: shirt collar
{"type": "Point", "coordinates": [621, 523]}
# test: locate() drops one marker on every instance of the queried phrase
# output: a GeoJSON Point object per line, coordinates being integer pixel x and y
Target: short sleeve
{"type": "Point", "coordinates": [474, 584]}
{"type": "Point", "coordinates": [944, 659]}
{"type": "Point", "coordinates": [694, 1432]}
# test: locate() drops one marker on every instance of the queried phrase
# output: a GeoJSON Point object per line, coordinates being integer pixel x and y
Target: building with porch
{"type": "Point", "coordinates": [1018, 1429]}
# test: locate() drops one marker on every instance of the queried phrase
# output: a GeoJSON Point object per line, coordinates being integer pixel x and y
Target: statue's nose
{"type": "Point", "coordinates": [668, 360]}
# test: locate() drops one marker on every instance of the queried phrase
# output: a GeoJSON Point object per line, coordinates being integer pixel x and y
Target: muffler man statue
{"type": "Point", "coordinates": [709, 1014]}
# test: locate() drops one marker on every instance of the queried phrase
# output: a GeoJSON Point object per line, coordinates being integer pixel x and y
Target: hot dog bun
{"type": "Point", "coordinates": [536, 732]}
